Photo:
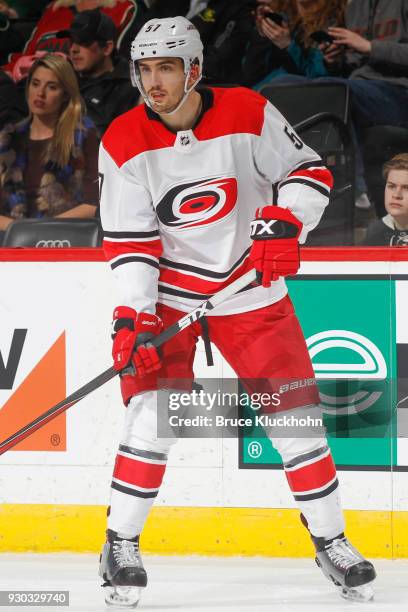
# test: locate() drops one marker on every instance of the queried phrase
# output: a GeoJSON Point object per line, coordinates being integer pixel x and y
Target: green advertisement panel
{"type": "Point", "coordinates": [349, 326]}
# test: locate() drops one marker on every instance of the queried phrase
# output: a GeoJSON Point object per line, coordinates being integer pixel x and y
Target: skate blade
{"type": "Point", "coordinates": [122, 596]}
{"type": "Point", "coordinates": [362, 593]}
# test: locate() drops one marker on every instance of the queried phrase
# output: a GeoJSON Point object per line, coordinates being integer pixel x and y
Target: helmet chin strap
{"type": "Point", "coordinates": [185, 96]}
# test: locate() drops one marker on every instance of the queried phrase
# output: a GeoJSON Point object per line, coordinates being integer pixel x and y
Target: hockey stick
{"type": "Point", "coordinates": [110, 373]}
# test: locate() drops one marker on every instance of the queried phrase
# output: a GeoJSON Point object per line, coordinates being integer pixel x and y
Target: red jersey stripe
{"type": "Point", "coordinates": [138, 473]}
{"type": "Point", "coordinates": [200, 285]}
{"type": "Point", "coordinates": [323, 175]}
{"type": "Point", "coordinates": [313, 476]}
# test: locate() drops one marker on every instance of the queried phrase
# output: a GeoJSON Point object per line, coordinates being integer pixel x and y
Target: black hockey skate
{"type": "Point", "coordinates": [341, 563]}
{"type": "Point", "coordinates": [122, 569]}
{"type": "Point", "coordinates": [346, 567]}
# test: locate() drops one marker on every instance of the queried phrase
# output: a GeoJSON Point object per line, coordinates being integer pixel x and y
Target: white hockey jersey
{"type": "Point", "coordinates": [176, 208]}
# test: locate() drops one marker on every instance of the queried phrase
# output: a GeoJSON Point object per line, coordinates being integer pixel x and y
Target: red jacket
{"type": "Point", "coordinates": [53, 20]}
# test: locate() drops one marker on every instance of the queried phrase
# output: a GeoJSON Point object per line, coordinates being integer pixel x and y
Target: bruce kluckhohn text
{"type": "Point", "coordinates": [264, 420]}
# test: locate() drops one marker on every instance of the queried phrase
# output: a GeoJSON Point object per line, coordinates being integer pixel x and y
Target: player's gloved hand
{"type": "Point", "coordinates": [132, 353]}
{"type": "Point", "coordinates": [275, 249]}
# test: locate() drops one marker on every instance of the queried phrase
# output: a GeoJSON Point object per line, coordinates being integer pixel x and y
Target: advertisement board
{"type": "Point", "coordinates": [349, 323]}
{"type": "Point", "coordinates": [55, 336]}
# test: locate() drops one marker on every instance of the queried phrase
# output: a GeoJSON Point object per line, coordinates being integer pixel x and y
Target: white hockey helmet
{"type": "Point", "coordinates": [170, 37]}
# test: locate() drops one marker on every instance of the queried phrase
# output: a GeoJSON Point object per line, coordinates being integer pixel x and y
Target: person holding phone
{"type": "Point", "coordinates": [370, 54]}
{"type": "Point", "coordinates": [274, 26]}
{"type": "Point", "coordinates": [290, 38]}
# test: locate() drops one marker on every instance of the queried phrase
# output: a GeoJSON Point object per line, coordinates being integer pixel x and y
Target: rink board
{"type": "Point", "coordinates": [55, 311]}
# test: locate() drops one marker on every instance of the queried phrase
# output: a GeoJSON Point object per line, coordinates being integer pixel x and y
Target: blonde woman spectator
{"type": "Point", "coordinates": [48, 161]}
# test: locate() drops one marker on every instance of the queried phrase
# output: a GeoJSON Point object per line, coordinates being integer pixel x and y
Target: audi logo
{"type": "Point", "coordinates": [53, 244]}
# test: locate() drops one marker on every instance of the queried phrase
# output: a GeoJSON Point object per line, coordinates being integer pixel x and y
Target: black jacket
{"type": "Point", "coordinates": [108, 95]}
{"type": "Point", "coordinates": [225, 26]}
{"type": "Point", "coordinates": [384, 233]}
{"type": "Point", "coordinates": [13, 106]}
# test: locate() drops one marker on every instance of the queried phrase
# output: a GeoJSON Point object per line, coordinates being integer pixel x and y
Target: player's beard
{"type": "Point", "coordinates": [165, 107]}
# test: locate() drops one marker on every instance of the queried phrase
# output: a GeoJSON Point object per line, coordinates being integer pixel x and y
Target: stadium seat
{"type": "Point", "coordinates": [380, 144]}
{"type": "Point", "coordinates": [320, 114]}
{"type": "Point", "coordinates": [53, 233]}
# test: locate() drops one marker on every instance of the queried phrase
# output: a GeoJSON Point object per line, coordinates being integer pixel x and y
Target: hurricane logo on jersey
{"type": "Point", "coordinates": [197, 204]}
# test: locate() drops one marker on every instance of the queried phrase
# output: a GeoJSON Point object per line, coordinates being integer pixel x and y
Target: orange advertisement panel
{"type": "Point", "coordinates": [44, 387]}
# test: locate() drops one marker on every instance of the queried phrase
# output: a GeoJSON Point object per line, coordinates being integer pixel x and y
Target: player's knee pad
{"type": "Point", "coordinates": [305, 435]}
{"type": "Point", "coordinates": [146, 424]}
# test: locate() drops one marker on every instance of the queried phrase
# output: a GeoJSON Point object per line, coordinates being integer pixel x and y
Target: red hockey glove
{"type": "Point", "coordinates": [131, 333]}
{"type": "Point", "coordinates": [275, 250]}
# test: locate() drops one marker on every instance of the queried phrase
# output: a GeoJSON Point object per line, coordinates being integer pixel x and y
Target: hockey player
{"type": "Point", "coordinates": [181, 178]}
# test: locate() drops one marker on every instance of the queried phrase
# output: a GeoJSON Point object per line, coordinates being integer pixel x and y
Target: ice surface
{"type": "Point", "coordinates": [204, 584]}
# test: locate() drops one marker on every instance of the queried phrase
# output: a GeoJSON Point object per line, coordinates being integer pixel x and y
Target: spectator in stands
{"type": "Point", "coordinates": [288, 39]}
{"type": "Point", "coordinates": [224, 26]}
{"type": "Point", "coordinates": [372, 51]}
{"type": "Point", "coordinates": [370, 55]}
{"type": "Point", "coordinates": [58, 16]}
{"type": "Point", "coordinates": [104, 79]}
{"type": "Point", "coordinates": [392, 230]}
{"type": "Point", "coordinates": [48, 162]}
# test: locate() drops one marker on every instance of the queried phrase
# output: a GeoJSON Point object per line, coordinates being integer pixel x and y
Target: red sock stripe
{"type": "Point", "coordinates": [323, 175]}
{"type": "Point", "coordinates": [139, 473]}
{"type": "Point", "coordinates": [313, 476]}
{"type": "Point", "coordinates": [148, 247]}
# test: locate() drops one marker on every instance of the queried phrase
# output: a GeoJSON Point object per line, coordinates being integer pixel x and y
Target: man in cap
{"type": "Point", "coordinates": [103, 76]}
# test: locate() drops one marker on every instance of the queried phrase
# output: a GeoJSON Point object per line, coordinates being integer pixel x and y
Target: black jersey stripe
{"type": "Point", "coordinates": [131, 235]}
{"type": "Point", "coordinates": [184, 294]}
{"type": "Point", "coordinates": [319, 494]}
{"type": "Point", "coordinates": [302, 181]}
{"type": "Point", "coordinates": [202, 271]}
{"type": "Point", "coordinates": [133, 259]}
{"type": "Point", "coordinates": [314, 164]}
